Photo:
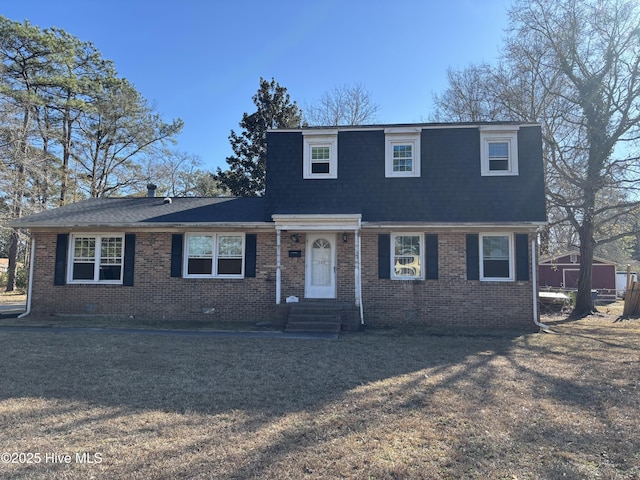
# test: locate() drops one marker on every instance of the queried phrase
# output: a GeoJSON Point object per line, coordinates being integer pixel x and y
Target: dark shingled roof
{"type": "Point", "coordinates": [122, 212]}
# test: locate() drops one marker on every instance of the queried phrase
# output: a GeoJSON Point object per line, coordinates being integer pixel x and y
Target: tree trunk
{"type": "Point", "coordinates": [13, 259]}
{"type": "Point", "coordinates": [545, 240]}
{"type": "Point", "coordinates": [66, 154]}
{"type": "Point", "coordinates": [584, 301]}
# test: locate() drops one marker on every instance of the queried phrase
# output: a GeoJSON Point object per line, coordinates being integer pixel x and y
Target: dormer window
{"type": "Point", "coordinates": [499, 150]}
{"type": "Point", "coordinates": [402, 152]}
{"type": "Point", "coordinates": [320, 154]}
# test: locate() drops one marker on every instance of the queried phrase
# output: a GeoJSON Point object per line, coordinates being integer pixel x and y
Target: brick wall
{"type": "Point", "coordinates": [451, 300]}
{"type": "Point", "coordinates": [292, 268]}
{"type": "Point", "coordinates": [155, 294]}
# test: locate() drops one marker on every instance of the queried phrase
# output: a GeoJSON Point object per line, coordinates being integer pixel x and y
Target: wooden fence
{"type": "Point", "coordinates": [631, 297]}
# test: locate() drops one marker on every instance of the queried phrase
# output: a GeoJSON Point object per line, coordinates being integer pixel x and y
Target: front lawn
{"type": "Point", "coordinates": [376, 405]}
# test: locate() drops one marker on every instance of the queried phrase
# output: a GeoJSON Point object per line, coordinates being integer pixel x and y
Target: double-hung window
{"type": "Point", "coordinates": [320, 159]}
{"type": "Point", "coordinates": [402, 157]}
{"type": "Point", "coordinates": [320, 154]}
{"type": "Point", "coordinates": [496, 257]}
{"type": "Point", "coordinates": [214, 255]}
{"type": "Point", "coordinates": [407, 256]}
{"type": "Point", "coordinates": [96, 258]}
{"type": "Point", "coordinates": [402, 153]}
{"type": "Point", "coordinates": [498, 156]}
{"type": "Point", "coordinates": [499, 150]}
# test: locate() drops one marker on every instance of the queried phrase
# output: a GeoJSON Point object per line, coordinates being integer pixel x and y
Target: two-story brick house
{"type": "Point", "coordinates": [429, 223]}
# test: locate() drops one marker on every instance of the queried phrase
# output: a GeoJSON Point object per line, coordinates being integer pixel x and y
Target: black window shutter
{"type": "Point", "coordinates": [473, 256]}
{"type": "Point", "coordinates": [60, 269]}
{"type": "Point", "coordinates": [250, 250]}
{"type": "Point", "coordinates": [384, 254]}
{"type": "Point", "coordinates": [432, 256]}
{"type": "Point", "coordinates": [522, 256]}
{"type": "Point", "coordinates": [129, 259]}
{"type": "Point", "coordinates": [176, 254]}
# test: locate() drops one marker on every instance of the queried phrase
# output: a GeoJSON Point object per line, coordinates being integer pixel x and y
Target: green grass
{"type": "Point", "coordinates": [377, 405]}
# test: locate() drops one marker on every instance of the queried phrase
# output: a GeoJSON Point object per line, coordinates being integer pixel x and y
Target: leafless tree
{"type": "Point", "coordinates": [344, 105]}
{"type": "Point", "coordinates": [574, 66]}
{"type": "Point", "coordinates": [179, 174]}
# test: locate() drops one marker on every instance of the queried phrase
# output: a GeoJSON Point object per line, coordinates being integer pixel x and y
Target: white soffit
{"type": "Point", "coordinates": [317, 222]}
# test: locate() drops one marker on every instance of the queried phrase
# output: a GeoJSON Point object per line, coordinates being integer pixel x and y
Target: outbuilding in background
{"type": "Point", "coordinates": [562, 271]}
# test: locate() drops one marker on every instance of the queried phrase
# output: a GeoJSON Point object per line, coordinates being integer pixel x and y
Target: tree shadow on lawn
{"type": "Point", "coordinates": [286, 400]}
{"type": "Point", "coordinates": [213, 375]}
{"type": "Point", "coordinates": [585, 386]}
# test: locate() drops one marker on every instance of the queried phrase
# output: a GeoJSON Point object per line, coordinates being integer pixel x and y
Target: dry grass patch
{"type": "Point", "coordinates": [368, 405]}
{"type": "Point", "coordinates": [11, 298]}
{"type": "Point", "coordinates": [128, 322]}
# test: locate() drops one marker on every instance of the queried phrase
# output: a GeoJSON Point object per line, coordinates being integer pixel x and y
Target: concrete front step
{"type": "Point", "coordinates": [321, 316]}
{"type": "Point", "coordinates": [314, 318]}
{"type": "Point", "coordinates": [320, 306]}
{"type": "Point", "coordinates": [317, 326]}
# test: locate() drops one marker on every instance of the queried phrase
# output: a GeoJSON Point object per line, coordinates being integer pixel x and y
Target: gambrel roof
{"type": "Point", "coordinates": [450, 187]}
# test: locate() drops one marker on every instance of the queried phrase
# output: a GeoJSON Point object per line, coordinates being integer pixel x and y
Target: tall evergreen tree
{"type": "Point", "coordinates": [245, 176]}
{"type": "Point", "coordinates": [116, 133]}
{"type": "Point", "coordinates": [25, 54]}
{"type": "Point", "coordinates": [57, 97]}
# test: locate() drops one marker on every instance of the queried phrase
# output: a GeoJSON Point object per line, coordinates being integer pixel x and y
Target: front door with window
{"type": "Point", "coordinates": [320, 271]}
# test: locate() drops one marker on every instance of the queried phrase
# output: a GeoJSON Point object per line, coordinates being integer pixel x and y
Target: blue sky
{"type": "Point", "coordinates": [201, 60]}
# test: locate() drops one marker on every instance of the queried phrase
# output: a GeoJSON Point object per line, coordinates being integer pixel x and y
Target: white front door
{"type": "Point", "coordinates": [320, 271]}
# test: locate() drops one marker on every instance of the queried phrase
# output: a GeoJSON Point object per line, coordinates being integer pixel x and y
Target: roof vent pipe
{"type": "Point", "coordinates": [151, 190]}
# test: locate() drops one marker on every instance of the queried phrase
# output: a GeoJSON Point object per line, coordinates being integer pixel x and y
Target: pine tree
{"type": "Point", "coordinates": [245, 176]}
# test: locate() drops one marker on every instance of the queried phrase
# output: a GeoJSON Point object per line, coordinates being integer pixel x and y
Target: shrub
{"type": "Point", "coordinates": [22, 279]}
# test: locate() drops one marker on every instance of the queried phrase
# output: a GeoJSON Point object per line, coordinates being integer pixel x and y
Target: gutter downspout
{"type": "Point", "coordinates": [359, 274]}
{"type": "Point", "coordinates": [534, 276]}
{"type": "Point", "coordinates": [32, 256]}
{"type": "Point", "coordinates": [278, 267]}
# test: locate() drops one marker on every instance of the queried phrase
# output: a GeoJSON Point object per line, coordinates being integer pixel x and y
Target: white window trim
{"type": "Point", "coordinates": [320, 138]}
{"type": "Point", "coordinates": [496, 133]}
{"type": "Point", "coordinates": [405, 138]}
{"type": "Point", "coordinates": [512, 258]}
{"type": "Point", "coordinates": [214, 266]}
{"type": "Point", "coordinates": [96, 266]}
{"type": "Point", "coordinates": [393, 257]}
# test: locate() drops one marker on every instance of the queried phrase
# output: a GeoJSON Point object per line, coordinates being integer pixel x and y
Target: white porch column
{"type": "Point", "coordinates": [317, 223]}
{"type": "Point", "coordinates": [278, 267]}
